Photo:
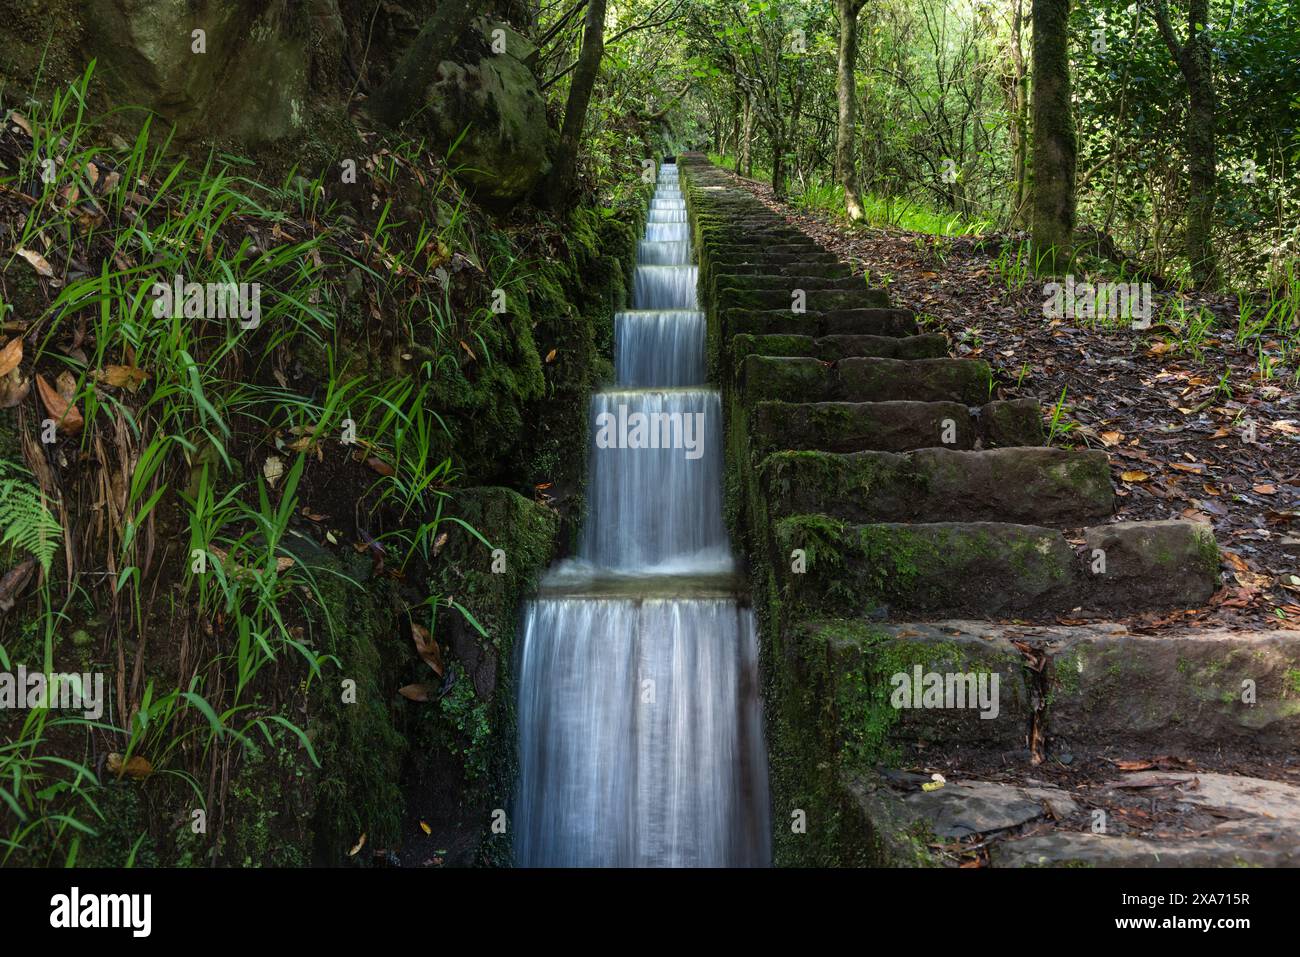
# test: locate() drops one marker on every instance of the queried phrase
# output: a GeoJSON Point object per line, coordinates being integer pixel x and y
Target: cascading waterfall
{"type": "Point", "coordinates": [640, 725]}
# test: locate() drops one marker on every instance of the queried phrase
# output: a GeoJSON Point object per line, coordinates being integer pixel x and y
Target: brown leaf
{"type": "Point", "coordinates": [14, 581]}
{"type": "Point", "coordinates": [380, 466]}
{"type": "Point", "coordinates": [60, 410]}
{"type": "Point", "coordinates": [550, 357]}
{"type": "Point", "coordinates": [11, 355]}
{"type": "Point", "coordinates": [134, 767]}
{"type": "Point", "coordinates": [121, 377]}
{"type": "Point", "coordinates": [1264, 489]}
{"type": "Point", "coordinates": [427, 648]}
{"type": "Point", "coordinates": [13, 391]}
{"type": "Point", "coordinates": [361, 842]}
{"type": "Point", "coordinates": [1134, 476]}
{"type": "Point", "coordinates": [38, 262]}
{"type": "Point", "coordinates": [1112, 438]}
{"type": "Point", "coordinates": [1134, 765]}
{"type": "Point", "coordinates": [464, 345]}
{"type": "Point", "coordinates": [419, 692]}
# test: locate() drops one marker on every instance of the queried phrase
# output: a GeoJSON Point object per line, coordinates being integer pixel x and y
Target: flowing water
{"type": "Point", "coordinates": [640, 725]}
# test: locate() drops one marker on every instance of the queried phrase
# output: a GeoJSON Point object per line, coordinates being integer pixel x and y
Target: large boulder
{"type": "Point", "coordinates": [262, 67]}
{"type": "Point", "coordinates": [494, 100]}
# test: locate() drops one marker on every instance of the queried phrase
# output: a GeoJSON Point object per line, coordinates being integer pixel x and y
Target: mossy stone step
{"type": "Point", "coordinates": [823, 270]}
{"type": "Point", "coordinates": [990, 569]}
{"type": "Point", "coordinates": [1040, 486]}
{"type": "Point", "coordinates": [831, 348]}
{"type": "Point", "coordinates": [852, 322]}
{"type": "Point", "coordinates": [897, 426]}
{"type": "Point", "coordinates": [813, 300]}
{"type": "Point", "coordinates": [730, 235]}
{"type": "Point", "coordinates": [776, 253]}
{"type": "Point", "coordinates": [866, 380]}
{"type": "Point", "coordinates": [787, 282]}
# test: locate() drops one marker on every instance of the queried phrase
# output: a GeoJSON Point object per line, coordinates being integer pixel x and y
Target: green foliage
{"type": "Point", "coordinates": [24, 518]}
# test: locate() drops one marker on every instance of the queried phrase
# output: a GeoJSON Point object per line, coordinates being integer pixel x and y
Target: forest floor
{"type": "Point", "coordinates": [1176, 411]}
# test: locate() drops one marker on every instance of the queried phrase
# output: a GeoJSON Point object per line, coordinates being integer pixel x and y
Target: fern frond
{"type": "Point", "coordinates": [25, 522]}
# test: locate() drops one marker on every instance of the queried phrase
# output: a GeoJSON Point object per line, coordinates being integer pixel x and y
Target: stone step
{"type": "Point", "coordinates": [1090, 695]}
{"type": "Point", "coordinates": [866, 380]}
{"type": "Point", "coordinates": [993, 569]}
{"type": "Point", "coordinates": [1042, 486]}
{"type": "Point", "coordinates": [787, 282]}
{"type": "Point", "coordinates": [813, 300]}
{"type": "Point", "coordinates": [831, 348]}
{"type": "Point", "coordinates": [779, 254]}
{"type": "Point", "coordinates": [1102, 689]}
{"type": "Point", "coordinates": [898, 426]}
{"type": "Point", "coordinates": [1105, 819]}
{"type": "Point", "coordinates": [851, 322]}
{"type": "Point", "coordinates": [822, 269]}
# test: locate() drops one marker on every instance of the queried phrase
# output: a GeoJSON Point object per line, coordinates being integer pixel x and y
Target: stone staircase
{"type": "Point", "coordinates": [901, 522]}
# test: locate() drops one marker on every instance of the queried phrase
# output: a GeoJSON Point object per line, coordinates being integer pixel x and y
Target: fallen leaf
{"type": "Point", "coordinates": [550, 357]}
{"type": "Point", "coordinates": [427, 648]}
{"type": "Point", "coordinates": [361, 842]}
{"type": "Point", "coordinates": [38, 262]}
{"type": "Point", "coordinates": [273, 469]}
{"type": "Point", "coordinates": [121, 377]}
{"type": "Point", "coordinates": [1264, 489]}
{"type": "Point", "coordinates": [1134, 476]}
{"type": "Point", "coordinates": [134, 767]}
{"type": "Point", "coordinates": [14, 581]}
{"type": "Point", "coordinates": [419, 692]}
{"type": "Point", "coordinates": [1112, 438]}
{"type": "Point", "coordinates": [11, 355]}
{"type": "Point", "coordinates": [65, 414]}
{"type": "Point", "coordinates": [425, 828]}
{"type": "Point", "coordinates": [380, 466]}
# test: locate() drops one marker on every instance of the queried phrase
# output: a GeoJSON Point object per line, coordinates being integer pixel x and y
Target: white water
{"type": "Point", "coordinates": [640, 726]}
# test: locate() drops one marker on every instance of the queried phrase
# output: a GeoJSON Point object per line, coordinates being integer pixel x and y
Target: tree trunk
{"type": "Point", "coordinates": [559, 185]}
{"type": "Point", "coordinates": [1054, 145]}
{"type": "Point", "coordinates": [778, 164]}
{"type": "Point", "coordinates": [1193, 59]}
{"type": "Point", "coordinates": [403, 94]}
{"type": "Point", "coordinates": [1019, 110]}
{"type": "Point", "coordinates": [747, 148]}
{"type": "Point", "coordinates": [846, 91]}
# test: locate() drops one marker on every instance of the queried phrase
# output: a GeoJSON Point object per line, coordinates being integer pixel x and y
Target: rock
{"type": "Point", "coordinates": [262, 69]}
{"type": "Point", "coordinates": [495, 102]}
{"type": "Point", "coordinates": [963, 808]}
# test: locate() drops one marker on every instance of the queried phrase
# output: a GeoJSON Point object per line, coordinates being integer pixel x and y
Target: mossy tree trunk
{"type": "Point", "coordinates": [846, 91]}
{"type": "Point", "coordinates": [564, 172]}
{"type": "Point", "coordinates": [1193, 59]}
{"type": "Point", "coordinates": [403, 94]}
{"type": "Point", "coordinates": [1055, 154]}
{"type": "Point", "coordinates": [1020, 113]}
